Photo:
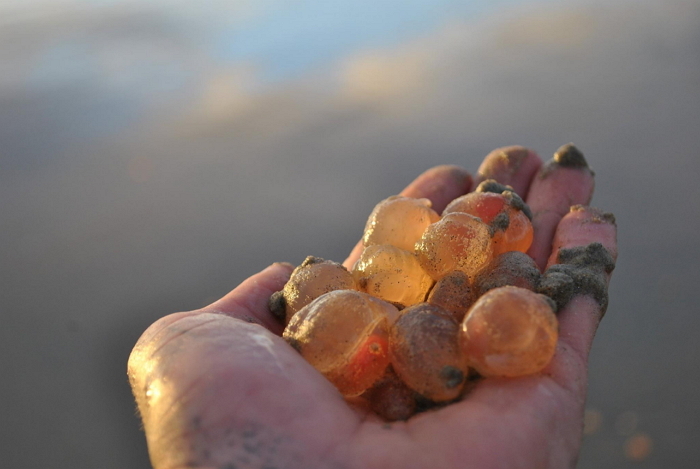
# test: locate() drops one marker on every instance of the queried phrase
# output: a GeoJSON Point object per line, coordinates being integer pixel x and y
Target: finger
{"type": "Point", "coordinates": [564, 181]}
{"type": "Point", "coordinates": [249, 301]}
{"type": "Point", "coordinates": [513, 166]}
{"type": "Point", "coordinates": [579, 319]}
{"type": "Point", "coordinates": [440, 184]}
{"type": "Point", "coordinates": [584, 225]}
{"type": "Point", "coordinates": [209, 390]}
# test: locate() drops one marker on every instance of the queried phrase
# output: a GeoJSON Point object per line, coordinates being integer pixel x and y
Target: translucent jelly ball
{"type": "Point", "coordinates": [425, 354]}
{"type": "Point", "coordinates": [485, 205]}
{"type": "Point", "coordinates": [399, 221]}
{"type": "Point", "coordinates": [313, 278]}
{"type": "Point", "coordinates": [390, 398]}
{"type": "Point", "coordinates": [512, 228]}
{"type": "Point", "coordinates": [513, 268]}
{"type": "Point", "coordinates": [392, 274]}
{"type": "Point", "coordinates": [453, 293]}
{"type": "Point", "coordinates": [509, 332]}
{"type": "Point", "coordinates": [457, 242]}
{"type": "Point", "coordinates": [517, 236]}
{"type": "Point", "coordinates": [343, 334]}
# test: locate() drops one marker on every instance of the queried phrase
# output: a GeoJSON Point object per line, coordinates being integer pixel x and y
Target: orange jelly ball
{"type": "Point", "coordinates": [392, 274]}
{"type": "Point", "coordinates": [343, 334]}
{"type": "Point", "coordinates": [390, 398]}
{"type": "Point", "coordinates": [457, 242]}
{"type": "Point", "coordinates": [424, 351]}
{"type": "Point", "coordinates": [453, 293]}
{"type": "Point", "coordinates": [311, 279]}
{"type": "Point", "coordinates": [509, 332]}
{"type": "Point", "coordinates": [512, 268]}
{"type": "Point", "coordinates": [485, 205]}
{"type": "Point", "coordinates": [512, 229]}
{"type": "Point", "coordinates": [517, 236]}
{"type": "Point", "coordinates": [399, 221]}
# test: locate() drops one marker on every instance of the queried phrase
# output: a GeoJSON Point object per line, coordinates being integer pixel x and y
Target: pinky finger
{"type": "Point", "coordinates": [584, 225]}
{"type": "Point", "coordinates": [578, 320]}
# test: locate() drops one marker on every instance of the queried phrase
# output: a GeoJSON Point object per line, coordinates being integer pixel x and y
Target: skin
{"type": "Point", "coordinates": [219, 388]}
{"type": "Point", "coordinates": [552, 192]}
{"type": "Point", "coordinates": [514, 166]}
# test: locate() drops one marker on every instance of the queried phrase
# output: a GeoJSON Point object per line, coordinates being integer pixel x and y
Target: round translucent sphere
{"type": "Point", "coordinates": [509, 332]}
{"type": "Point", "coordinates": [392, 274]}
{"type": "Point", "coordinates": [424, 351]}
{"type": "Point", "coordinates": [458, 241]}
{"type": "Point", "coordinates": [399, 221]}
{"type": "Point", "coordinates": [343, 334]}
{"type": "Point", "coordinates": [453, 293]}
{"type": "Point", "coordinates": [313, 278]}
{"type": "Point", "coordinates": [512, 229]}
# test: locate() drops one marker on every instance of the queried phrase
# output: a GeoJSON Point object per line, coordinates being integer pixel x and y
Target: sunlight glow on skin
{"type": "Point", "coordinates": [154, 392]}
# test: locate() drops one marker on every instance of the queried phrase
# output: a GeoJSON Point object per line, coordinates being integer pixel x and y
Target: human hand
{"type": "Point", "coordinates": [219, 388]}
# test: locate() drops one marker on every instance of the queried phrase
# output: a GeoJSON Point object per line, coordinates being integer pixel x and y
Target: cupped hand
{"type": "Point", "coordinates": [219, 388]}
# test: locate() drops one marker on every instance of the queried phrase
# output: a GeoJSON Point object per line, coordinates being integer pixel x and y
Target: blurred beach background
{"type": "Point", "coordinates": [153, 154]}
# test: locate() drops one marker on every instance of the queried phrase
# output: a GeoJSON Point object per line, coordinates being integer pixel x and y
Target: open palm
{"type": "Point", "coordinates": [219, 388]}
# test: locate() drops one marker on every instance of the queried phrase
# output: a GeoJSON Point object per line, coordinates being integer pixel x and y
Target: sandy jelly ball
{"type": "Point", "coordinates": [457, 242]}
{"type": "Point", "coordinates": [424, 351]}
{"type": "Point", "coordinates": [313, 278]}
{"type": "Point", "coordinates": [343, 334]}
{"type": "Point", "coordinates": [392, 274]}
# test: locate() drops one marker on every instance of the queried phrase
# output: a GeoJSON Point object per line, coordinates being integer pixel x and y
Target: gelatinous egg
{"type": "Point", "coordinates": [399, 221]}
{"type": "Point", "coordinates": [458, 241]}
{"type": "Point", "coordinates": [424, 351]}
{"type": "Point", "coordinates": [343, 334]}
{"type": "Point", "coordinates": [509, 331]}
{"type": "Point", "coordinates": [392, 274]}
{"type": "Point", "coordinates": [311, 279]}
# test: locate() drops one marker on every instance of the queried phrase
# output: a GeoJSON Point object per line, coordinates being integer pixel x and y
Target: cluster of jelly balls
{"type": "Point", "coordinates": [432, 301]}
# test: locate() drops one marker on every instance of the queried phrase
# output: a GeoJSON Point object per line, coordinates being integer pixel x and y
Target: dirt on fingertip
{"type": "Point", "coordinates": [491, 185]}
{"type": "Point", "coordinates": [598, 216]}
{"type": "Point", "coordinates": [569, 156]}
{"type": "Point", "coordinates": [566, 156]}
{"type": "Point", "coordinates": [581, 270]}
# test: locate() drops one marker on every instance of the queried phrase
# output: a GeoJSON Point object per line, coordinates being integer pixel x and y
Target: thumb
{"type": "Point", "coordinates": [216, 388]}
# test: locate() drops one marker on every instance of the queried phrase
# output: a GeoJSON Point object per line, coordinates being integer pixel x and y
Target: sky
{"type": "Point", "coordinates": [126, 59]}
